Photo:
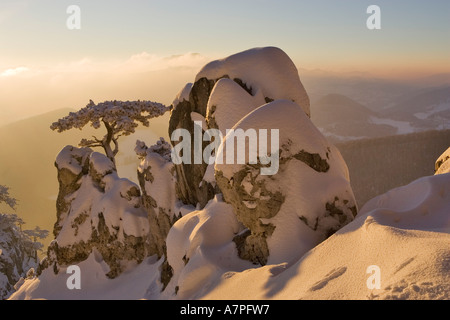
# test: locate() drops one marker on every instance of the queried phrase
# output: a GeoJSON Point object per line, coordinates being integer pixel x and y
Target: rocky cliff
{"type": "Point", "coordinates": [99, 212]}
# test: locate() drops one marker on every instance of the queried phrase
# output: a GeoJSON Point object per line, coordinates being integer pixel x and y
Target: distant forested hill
{"type": "Point", "coordinates": [380, 164]}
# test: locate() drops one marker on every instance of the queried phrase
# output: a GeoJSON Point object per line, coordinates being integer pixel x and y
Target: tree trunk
{"type": "Point", "coordinates": [106, 143]}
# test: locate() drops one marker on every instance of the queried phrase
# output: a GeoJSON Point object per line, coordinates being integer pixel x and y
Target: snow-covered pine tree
{"type": "Point", "coordinates": [18, 249]}
{"type": "Point", "coordinates": [6, 198]}
{"type": "Point", "coordinates": [119, 118]}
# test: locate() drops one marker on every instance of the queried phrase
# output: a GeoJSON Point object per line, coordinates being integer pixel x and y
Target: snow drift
{"type": "Point", "coordinates": [405, 233]}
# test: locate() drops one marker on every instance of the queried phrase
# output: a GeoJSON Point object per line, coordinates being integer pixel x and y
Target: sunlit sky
{"type": "Point", "coordinates": [44, 65]}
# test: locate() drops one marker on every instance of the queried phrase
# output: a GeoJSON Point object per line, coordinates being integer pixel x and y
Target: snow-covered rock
{"type": "Point", "coordinates": [398, 241]}
{"type": "Point", "coordinates": [277, 217]}
{"type": "Point", "coordinates": [443, 163]}
{"type": "Point", "coordinates": [157, 182]}
{"type": "Point", "coordinates": [183, 95]}
{"type": "Point", "coordinates": [229, 103]}
{"type": "Point", "coordinates": [96, 210]}
{"type": "Point", "coordinates": [304, 202]}
{"type": "Point", "coordinates": [200, 249]}
{"type": "Point", "coordinates": [224, 91]}
{"type": "Point", "coordinates": [266, 72]}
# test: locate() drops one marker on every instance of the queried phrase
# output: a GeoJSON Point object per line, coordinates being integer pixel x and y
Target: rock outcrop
{"type": "Point", "coordinates": [283, 207]}
{"type": "Point", "coordinates": [156, 174]}
{"type": "Point", "coordinates": [300, 205]}
{"type": "Point", "coordinates": [223, 92]}
{"type": "Point", "coordinates": [443, 163]}
{"type": "Point", "coordinates": [96, 210]}
{"type": "Point", "coordinates": [189, 186]}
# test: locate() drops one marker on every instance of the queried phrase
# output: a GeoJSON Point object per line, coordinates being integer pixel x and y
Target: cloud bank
{"type": "Point", "coordinates": [30, 90]}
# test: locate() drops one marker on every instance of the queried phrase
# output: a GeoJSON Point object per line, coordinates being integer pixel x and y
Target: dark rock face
{"type": "Point", "coordinates": [250, 206]}
{"type": "Point", "coordinates": [189, 186]}
{"type": "Point", "coordinates": [69, 180]}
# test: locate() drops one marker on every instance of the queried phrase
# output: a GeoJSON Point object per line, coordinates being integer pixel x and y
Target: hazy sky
{"type": "Point", "coordinates": [142, 49]}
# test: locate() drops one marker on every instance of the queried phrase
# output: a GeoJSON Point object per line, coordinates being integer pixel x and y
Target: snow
{"type": "Point", "coordinates": [120, 209]}
{"type": "Point", "coordinates": [209, 175]}
{"type": "Point", "coordinates": [205, 238]}
{"type": "Point", "coordinates": [17, 250]}
{"type": "Point", "coordinates": [138, 283]}
{"type": "Point", "coordinates": [403, 127]}
{"type": "Point", "coordinates": [340, 138]}
{"type": "Point", "coordinates": [406, 237]}
{"type": "Point", "coordinates": [432, 110]}
{"type": "Point", "coordinates": [403, 234]}
{"type": "Point", "coordinates": [268, 71]}
{"type": "Point", "coordinates": [6, 198]}
{"type": "Point", "coordinates": [100, 192]}
{"type": "Point", "coordinates": [117, 211]}
{"type": "Point", "coordinates": [65, 158]}
{"type": "Point", "coordinates": [293, 125]}
{"type": "Point", "coordinates": [197, 117]}
{"type": "Point", "coordinates": [182, 95]}
{"type": "Point", "coordinates": [421, 207]}
{"type": "Point", "coordinates": [123, 114]}
{"type": "Point", "coordinates": [162, 187]}
{"type": "Point", "coordinates": [306, 192]}
{"type": "Point", "coordinates": [231, 103]}
{"type": "Point", "coordinates": [101, 164]}
{"type": "Point", "coordinates": [119, 118]}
